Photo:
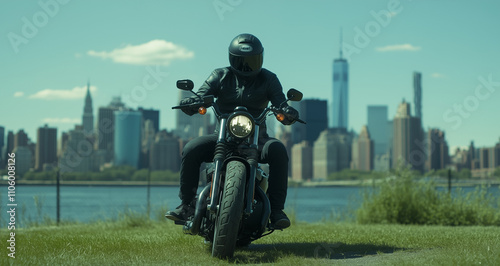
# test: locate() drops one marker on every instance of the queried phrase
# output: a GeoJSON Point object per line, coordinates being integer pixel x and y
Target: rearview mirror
{"type": "Point", "coordinates": [185, 84]}
{"type": "Point", "coordinates": [294, 95]}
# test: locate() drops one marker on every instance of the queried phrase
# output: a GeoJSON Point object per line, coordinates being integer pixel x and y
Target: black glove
{"type": "Point", "coordinates": [189, 110]}
{"type": "Point", "coordinates": [291, 115]}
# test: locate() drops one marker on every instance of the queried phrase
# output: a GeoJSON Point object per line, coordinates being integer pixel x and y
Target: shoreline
{"type": "Point", "coordinates": [88, 183]}
{"type": "Point", "coordinates": [336, 183]}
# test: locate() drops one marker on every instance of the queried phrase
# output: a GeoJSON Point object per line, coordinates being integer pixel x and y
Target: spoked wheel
{"type": "Point", "coordinates": [230, 211]}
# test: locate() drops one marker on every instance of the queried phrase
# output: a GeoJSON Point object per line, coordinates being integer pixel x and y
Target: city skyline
{"type": "Point", "coordinates": [50, 51]}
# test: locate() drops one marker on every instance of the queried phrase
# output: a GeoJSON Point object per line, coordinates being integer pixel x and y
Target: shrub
{"type": "Point", "coordinates": [403, 199]}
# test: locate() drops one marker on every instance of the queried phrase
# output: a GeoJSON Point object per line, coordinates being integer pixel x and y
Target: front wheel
{"type": "Point", "coordinates": [230, 211]}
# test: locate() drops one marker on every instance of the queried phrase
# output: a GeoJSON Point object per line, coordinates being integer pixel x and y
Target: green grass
{"type": "Point", "coordinates": [162, 243]}
{"type": "Point", "coordinates": [390, 235]}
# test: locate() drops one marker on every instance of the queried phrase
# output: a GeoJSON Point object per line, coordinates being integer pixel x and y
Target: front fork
{"type": "Point", "coordinates": [219, 157]}
{"type": "Point", "coordinates": [253, 162]}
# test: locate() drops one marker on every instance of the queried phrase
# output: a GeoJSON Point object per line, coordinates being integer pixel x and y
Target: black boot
{"type": "Point", "coordinates": [279, 220]}
{"type": "Point", "coordinates": [181, 213]}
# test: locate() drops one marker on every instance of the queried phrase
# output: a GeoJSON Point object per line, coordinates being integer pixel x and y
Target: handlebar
{"type": "Point", "coordinates": [211, 103]}
{"type": "Point", "coordinates": [277, 111]}
{"type": "Point", "coordinates": [300, 121]}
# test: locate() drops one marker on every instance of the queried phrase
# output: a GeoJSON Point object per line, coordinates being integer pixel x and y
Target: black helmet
{"type": "Point", "coordinates": [246, 55]}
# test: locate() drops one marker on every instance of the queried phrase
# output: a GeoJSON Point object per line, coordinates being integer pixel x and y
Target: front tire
{"type": "Point", "coordinates": [230, 211]}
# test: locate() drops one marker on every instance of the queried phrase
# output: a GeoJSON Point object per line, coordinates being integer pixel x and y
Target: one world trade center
{"type": "Point", "coordinates": [339, 106]}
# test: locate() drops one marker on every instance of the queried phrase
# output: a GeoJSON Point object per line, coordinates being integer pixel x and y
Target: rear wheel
{"type": "Point", "coordinates": [230, 211]}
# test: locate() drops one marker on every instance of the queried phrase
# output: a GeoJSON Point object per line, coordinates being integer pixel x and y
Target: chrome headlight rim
{"type": "Point", "coordinates": [246, 130]}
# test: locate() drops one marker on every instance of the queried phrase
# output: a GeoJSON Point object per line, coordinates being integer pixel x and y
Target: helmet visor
{"type": "Point", "coordinates": [246, 64]}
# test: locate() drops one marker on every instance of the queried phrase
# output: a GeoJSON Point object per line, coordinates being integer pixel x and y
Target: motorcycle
{"type": "Point", "coordinates": [233, 208]}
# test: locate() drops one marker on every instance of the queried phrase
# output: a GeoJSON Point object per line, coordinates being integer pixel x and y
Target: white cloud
{"type": "Point", "coordinates": [393, 14]}
{"type": "Point", "coordinates": [437, 75]}
{"type": "Point", "coordinates": [18, 94]}
{"type": "Point", "coordinates": [75, 93]}
{"type": "Point", "coordinates": [66, 120]}
{"type": "Point", "coordinates": [155, 52]}
{"type": "Point", "coordinates": [398, 47]}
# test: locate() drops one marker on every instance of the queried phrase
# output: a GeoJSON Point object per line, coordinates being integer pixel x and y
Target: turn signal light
{"type": "Point", "coordinates": [202, 110]}
{"type": "Point", "coordinates": [280, 117]}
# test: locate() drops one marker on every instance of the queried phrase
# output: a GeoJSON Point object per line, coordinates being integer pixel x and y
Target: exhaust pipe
{"type": "Point", "coordinates": [193, 227]}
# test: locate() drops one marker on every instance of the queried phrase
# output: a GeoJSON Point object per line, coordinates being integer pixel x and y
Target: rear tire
{"type": "Point", "coordinates": [230, 211]}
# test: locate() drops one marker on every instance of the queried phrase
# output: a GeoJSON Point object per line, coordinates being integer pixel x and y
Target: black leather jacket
{"type": "Point", "coordinates": [253, 93]}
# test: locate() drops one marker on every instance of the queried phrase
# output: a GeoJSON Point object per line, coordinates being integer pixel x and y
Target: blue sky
{"type": "Point", "coordinates": [137, 50]}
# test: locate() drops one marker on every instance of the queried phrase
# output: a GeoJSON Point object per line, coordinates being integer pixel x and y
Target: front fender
{"type": "Point", "coordinates": [237, 158]}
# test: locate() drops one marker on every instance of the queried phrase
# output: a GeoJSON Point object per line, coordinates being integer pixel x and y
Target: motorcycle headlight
{"type": "Point", "coordinates": [240, 126]}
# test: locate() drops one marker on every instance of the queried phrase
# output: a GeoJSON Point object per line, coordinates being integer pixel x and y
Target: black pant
{"type": "Point", "coordinates": [202, 149]}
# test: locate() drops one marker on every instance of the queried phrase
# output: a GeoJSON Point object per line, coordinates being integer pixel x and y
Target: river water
{"type": "Point", "coordinates": [91, 203]}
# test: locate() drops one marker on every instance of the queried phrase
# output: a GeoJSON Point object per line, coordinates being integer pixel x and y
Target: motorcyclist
{"type": "Point", "coordinates": [243, 83]}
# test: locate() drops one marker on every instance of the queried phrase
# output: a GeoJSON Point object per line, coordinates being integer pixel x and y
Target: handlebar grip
{"type": "Point", "coordinates": [193, 105]}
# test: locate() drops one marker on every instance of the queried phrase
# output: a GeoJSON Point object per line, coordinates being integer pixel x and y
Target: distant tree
{"type": "Point", "coordinates": [497, 172]}
{"type": "Point", "coordinates": [464, 174]}
{"type": "Point", "coordinates": [140, 175]}
{"type": "Point", "coordinates": [441, 173]}
{"type": "Point", "coordinates": [350, 174]}
{"type": "Point", "coordinates": [165, 175]}
{"type": "Point", "coordinates": [118, 173]}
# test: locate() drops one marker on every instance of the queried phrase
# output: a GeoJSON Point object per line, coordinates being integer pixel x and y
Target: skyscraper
{"type": "Point", "coordinates": [495, 156]}
{"type": "Point", "coordinates": [127, 138]}
{"type": "Point", "coordinates": [20, 139]}
{"type": "Point", "coordinates": [484, 160]}
{"type": "Point", "coordinates": [340, 93]}
{"type": "Point", "coordinates": [438, 154]}
{"type": "Point", "coordinates": [378, 127]}
{"type": "Point", "coordinates": [487, 160]}
{"type": "Point", "coordinates": [471, 157]}
{"type": "Point", "coordinates": [77, 154]}
{"type": "Point", "coordinates": [46, 147]}
{"type": "Point", "coordinates": [407, 139]}
{"type": "Point", "coordinates": [88, 114]}
{"type": "Point", "coordinates": [417, 94]}
{"type": "Point", "coordinates": [147, 140]}
{"type": "Point", "coordinates": [165, 152]}
{"type": "Point", "coordinates": [314, 112]}
{"type": "Point", "coordinates": [302, 161]}
{"type": "Point", "coordinates": [23, 160]}
{"type": "Point", "coordinates": [106, 128]}
{"type": "Point", "coordinates": [365, 150]}
{"type": "Point", "coordinates": [151, 114]}
{"type": "Point", "coordinates": [331, 152]}
{"type": "Point", "coordinates": [9, 145]}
